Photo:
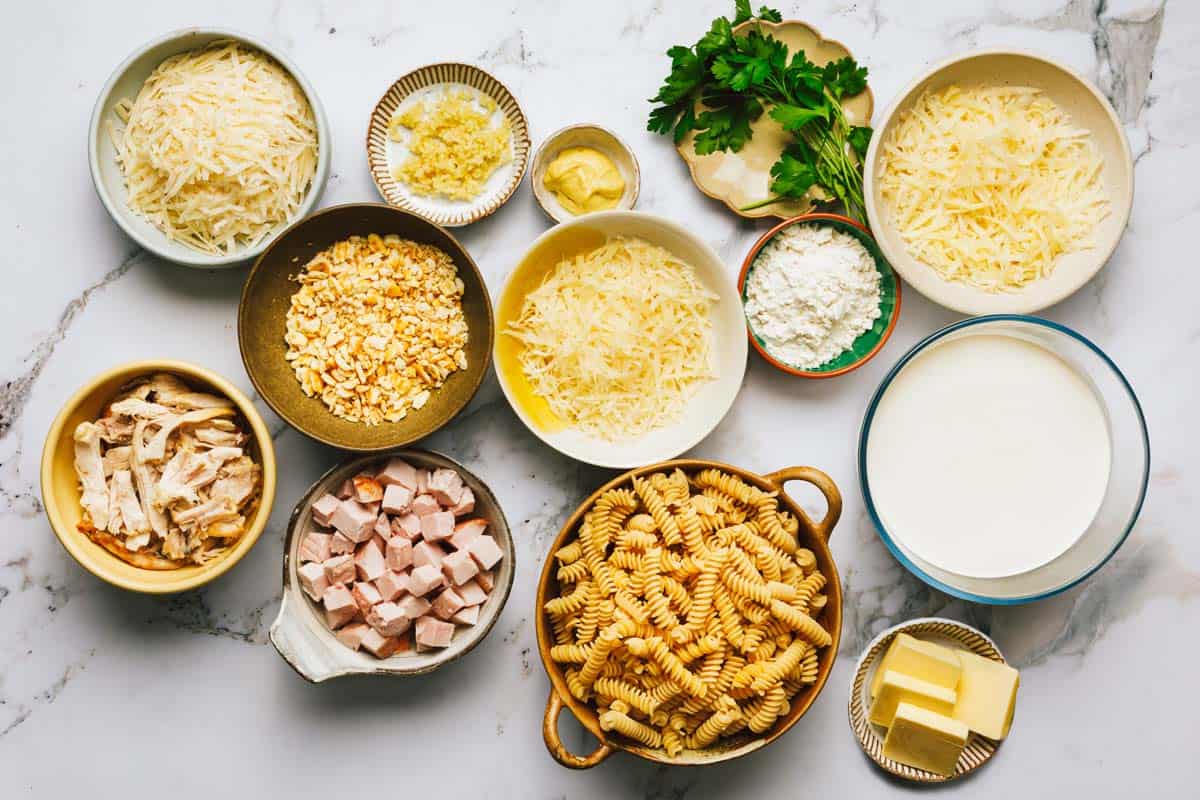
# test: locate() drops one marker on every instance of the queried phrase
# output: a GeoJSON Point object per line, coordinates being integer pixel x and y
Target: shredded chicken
{"type": "Point", "coordinates": [165, 475]}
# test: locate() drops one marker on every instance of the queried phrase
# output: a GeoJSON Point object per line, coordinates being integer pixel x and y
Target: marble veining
{"type": "Point", "coordinates": [134, 690]}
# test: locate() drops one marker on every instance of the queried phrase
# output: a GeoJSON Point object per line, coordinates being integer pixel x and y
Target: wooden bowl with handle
{"type": "Point", "coordinates": [813, 535]}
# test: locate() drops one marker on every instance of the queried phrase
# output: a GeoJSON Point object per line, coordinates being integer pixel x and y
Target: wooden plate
{"type": "Point", "coordinates": [382, 152]}
{"type": "Point", "coordinates": [979, 750]}
{"type": "Point", "coordinates": [739, 179]}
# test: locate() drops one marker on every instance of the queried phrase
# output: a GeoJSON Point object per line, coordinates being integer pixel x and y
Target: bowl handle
{"type": "Point", "coordinates": [300, 646]}
{"type": "Point", "coordinates": [833, 498]}
{"type": "Point", "coordinates": [554, 707]}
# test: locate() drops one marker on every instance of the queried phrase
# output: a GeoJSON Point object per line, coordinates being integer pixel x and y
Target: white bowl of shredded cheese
{"type": "Point", "coordinates": [258, 190]}
{"type": "Point", "coordinates": [620, 339]}
{"type": "Point", "coordinates": [998, 182]}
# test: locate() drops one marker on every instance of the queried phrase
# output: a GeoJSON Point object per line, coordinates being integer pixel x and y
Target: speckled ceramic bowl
{"type": "Point", "coordinates": [299, 632]}
{"type": "Point", "coordinates": [61, 492]}
{"type": "Point", "coordinates": [266, 298]}
{"type": "Point", "coordinates": [126, 81]}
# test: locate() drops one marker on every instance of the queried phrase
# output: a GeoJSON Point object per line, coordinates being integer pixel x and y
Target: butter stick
{"type": "Point", "coordinates": [925, 739]}
{"type": "Point", "coordinates": [924, 660]}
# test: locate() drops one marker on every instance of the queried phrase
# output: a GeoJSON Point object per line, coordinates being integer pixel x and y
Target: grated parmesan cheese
{"type": "Point", "coordinates": [219, 147]}
{"type": "Point", "coordinates": [617, 339]}
{"type": "Point", "coordinates": [988, 186]}
{"type": "Point", "coordinates": [453, 147]}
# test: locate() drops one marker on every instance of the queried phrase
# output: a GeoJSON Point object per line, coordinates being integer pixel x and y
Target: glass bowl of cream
{"type": "Point", "coordinates": [1004, 459]}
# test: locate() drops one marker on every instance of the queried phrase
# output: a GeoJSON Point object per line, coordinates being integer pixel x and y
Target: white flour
{"type": "Point", "coordinates": [811, 292]}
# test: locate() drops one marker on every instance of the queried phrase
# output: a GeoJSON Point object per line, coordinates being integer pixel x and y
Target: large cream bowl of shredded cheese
{"type": "Point", "coordinates": [1004, 459]}
{"type": "Point", "coordinates": [998, 182]}
{"type": "Point", "coordinates": [181, 180]}
{"type": "Point", "coordinates": [620, 339]}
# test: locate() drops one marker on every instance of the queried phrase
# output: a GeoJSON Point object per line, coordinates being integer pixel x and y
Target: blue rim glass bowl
{"type": "Point", "coordinates": [1127, 480]}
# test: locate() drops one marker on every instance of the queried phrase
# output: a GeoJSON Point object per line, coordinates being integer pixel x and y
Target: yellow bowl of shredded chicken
{"type": "Point", "coordinates": [205, 144]}
{"type": "Point", "coordinates": [158, 476]}
{"type": "Point", "coordinates": [618, 339]}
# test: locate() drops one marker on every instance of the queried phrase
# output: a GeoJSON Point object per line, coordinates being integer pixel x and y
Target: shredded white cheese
{"type": "Point", "coordinates": [219, 147]}
{"type": "Point", "coordinates": [989, 185]}
{"type": "Point", "coordinates": [617, 339]}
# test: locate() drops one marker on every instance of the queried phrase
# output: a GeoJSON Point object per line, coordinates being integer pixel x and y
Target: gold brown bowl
{"type": "Point", "coordinates": [61, 493]}
{"type": "Point", "coordinates": [813, 535]}
{"type": "Point", "coordinates": [266, 298]}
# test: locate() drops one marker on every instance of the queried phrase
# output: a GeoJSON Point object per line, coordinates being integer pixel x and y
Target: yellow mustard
{"type": "Point", "coordinates": [584, 180]}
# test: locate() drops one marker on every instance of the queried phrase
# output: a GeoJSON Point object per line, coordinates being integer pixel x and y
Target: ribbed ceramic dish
{"type": "Point", "coordinates": [813, 535]}
{"type": "Point", "coordinates": [869, 342]}
{"type": "Point", "coordinates": [299, 632]}
{"type": "Point", "coordinates": [382, 151]}
{"type": "Point", "coordinates": [742, 178]}
{"type": "Point", "coordinates": [941, 631]}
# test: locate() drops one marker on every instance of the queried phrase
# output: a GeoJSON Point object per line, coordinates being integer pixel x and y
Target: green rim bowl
{"type": "Point", "coordinates": [870, 342]}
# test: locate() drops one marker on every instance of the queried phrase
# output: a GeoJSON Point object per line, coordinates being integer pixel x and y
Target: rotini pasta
{"type": "Point", "coordinates": [687, 610]}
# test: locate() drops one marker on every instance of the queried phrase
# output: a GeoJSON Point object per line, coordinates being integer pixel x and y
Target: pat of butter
{"type": "Point", "coordinates": [897, 688]}
{"type": "Point", "coordinates": [987, 695]}
{"type": "Point", "coordinates": [925, 739]}
{"type": "Point", "coordinates": [925, 660]}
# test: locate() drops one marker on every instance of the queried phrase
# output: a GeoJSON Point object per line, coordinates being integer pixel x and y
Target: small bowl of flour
{"type": "Point", "coordinates": [820, 299]}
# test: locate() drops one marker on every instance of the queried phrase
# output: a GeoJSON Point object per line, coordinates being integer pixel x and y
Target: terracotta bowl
{"type": "Point", "coordinates": [61, 493]}
{"type": "Point", "coordinates": [266, 298]}
{"type": "Point", "coordinates": [871, 341]}
{"type": "Point", "coordinates": [813, 535]}
{"type": "Point", "coordinates": [299, 632]}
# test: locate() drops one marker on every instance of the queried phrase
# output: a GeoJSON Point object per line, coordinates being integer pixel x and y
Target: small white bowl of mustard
{"type": "Point", "coordinates": [582, 169]}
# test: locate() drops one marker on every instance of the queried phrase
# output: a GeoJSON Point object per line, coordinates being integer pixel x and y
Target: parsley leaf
{"type": "Point", "coordinates": [844, 77]}
{"type": "Point", "coordinates": [742, 12]}
{"type": "Point", "coordinates": [767, 14]}
{"type": "Point", "coordinates": [793, 174]}
{"type": "Point", "coordinates": [859, 138]}
{"type": "Point", "coordinates": [793, 118]}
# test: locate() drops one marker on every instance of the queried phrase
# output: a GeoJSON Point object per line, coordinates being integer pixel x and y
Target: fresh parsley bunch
{"type": "Point", "coordinates": [735, 78]}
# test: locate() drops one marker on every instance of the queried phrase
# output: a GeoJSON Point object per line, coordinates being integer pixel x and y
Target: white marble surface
{"type": "Point", "coordinates": [105, 692]}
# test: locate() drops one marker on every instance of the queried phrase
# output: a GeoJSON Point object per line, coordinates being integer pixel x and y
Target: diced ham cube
{"type": "Point", "coordinates": [467, 531]}
{"type": "Point", "coordinates": [339, 570]}
{"type": "Point", "coordinates": [406, 525]}
{"type": "Point", "coordinates": [447, 604]}
{"type": "Point", "coordinates": [365, 596]}
{"type": "Point", "coordinates": [425, 504]}
{"type": "Point", "coordinates": [354, 520]}
{"type": "Point", "coordinates": [382, 646]}
{"type": "Point", "coordinates": [459, 567]}
{"type": "Point", "coordinates": [370, 561]}
{"type": "Point", "coordinates": [380, 542]}
{"type": "Point", "coordinates": [398, 472]}
{"type": "Point", "coordinates": [367, 489]}
{"type": "Point", "coordinates": [383, 527]}
{"type": "Point", "coordinates": [397, 499]}
{"type": "Point", "coordinates": [465, 504]}
{"type": "Point", "coordinates": [472, 593]}
{"type": "Point", "coordinates": [315, 546]}
{"type": "Point", "coordinates": [313, 580]}
{"type": "Point", "coordinates": [428, 553]}
{"type": "Point", "coordinates": [322, 510]}
{"type": "Point", "coordinates": [413, 607]}
{"type": "Point", "coordinates": [422, 481]}
{"type": "Point", "coordinates": [340, 544]}
{"type": "Point", "coordinates": [485, 551]}
{"type": "Point", "coordinates": [346, 490]}
{"type": "Point", "coordinates": [433, 632]}
{"type": "Point", "coordinates": [467, 615]}
{"type": "Point", "coordinates": [486, 580]}
{"type": "Point", "coordinates": [446, 487]}
{"type": "Point", "coordinates": [399, 553]}
{"type": "Point", "coordinates": [424, 580]}
{"type": "Point", "coordinates": [352, 635]}
{"type": "Point", "coordinates": [388, 619]}
{"type": "Point", "coordinates": [392, 584]}
{"type": "Point", "coordinates": [340, 607]}
{"type": "Point", "coordinates": [436, 526]}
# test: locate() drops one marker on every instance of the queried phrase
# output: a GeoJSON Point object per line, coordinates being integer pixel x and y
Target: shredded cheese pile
{"type": "Point", "coordinates": [219, 147]}
{"type": "Point", "coordinates": [988, 186]}
{"type": "Point", "coordinates": [453, 147]}
{"type": "Point", "coordinates": [617, 339]}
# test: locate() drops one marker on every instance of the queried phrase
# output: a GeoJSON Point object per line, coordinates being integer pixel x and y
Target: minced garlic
{"type": "Point", "coordinates": [453, 145]}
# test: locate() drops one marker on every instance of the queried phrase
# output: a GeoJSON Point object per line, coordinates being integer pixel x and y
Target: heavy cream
{"type": "Point", "coordinates": [988, 456]}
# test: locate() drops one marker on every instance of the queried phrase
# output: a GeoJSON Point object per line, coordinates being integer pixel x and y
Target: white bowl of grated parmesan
{"type": "Point", "coordinates": [183, 181]}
